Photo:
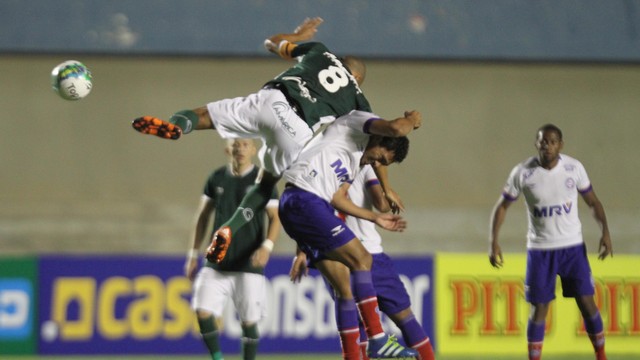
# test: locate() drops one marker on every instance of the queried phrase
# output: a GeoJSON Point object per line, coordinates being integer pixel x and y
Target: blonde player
{"type": "Point", "coordinates": [239, 276]}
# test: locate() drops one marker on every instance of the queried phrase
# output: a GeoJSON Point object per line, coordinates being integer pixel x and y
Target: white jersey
{"type": "Point", "coordinates": [333, 157]}
{"type": "Point", "coordinates": [359, 193]}
{"type": "Point", "coordinates": [552, 200]}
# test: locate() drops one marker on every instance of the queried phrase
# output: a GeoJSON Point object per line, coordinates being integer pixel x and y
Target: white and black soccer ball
{"type": "Point", "coordinates": [71, 80]}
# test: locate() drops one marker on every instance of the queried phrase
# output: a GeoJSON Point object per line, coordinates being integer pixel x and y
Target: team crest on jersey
{"type": "Point", "coordinates": [528, 173]}
{"type": "Point", "coordinates": [280, 110]}
{"type": "Point", "coordinates": [247, 213]}
{"type": "Point", "coordinates": [219, 190]}
{"type": "Point", "coordinates": [570, 183]}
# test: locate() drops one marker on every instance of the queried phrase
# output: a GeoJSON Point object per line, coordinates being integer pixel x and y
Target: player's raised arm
{"type": "Point", "coordinates": [282, 44]}
{"type": "Point", "coordinates": [398, 127]}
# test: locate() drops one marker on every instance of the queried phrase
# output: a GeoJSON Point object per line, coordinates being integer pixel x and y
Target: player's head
{"type": "Point", "coordinates": [241, 151]}
{"type": "Point", "coordinates": [356, 67]}
{"type": "Point", "coordinates": [549, 143]}
{"type": "Point", "coordinates": [385, 150]}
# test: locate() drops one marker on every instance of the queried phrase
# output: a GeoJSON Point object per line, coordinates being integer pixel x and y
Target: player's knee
{"type": "Point", "coordinates": [203, 314]}
{"type": "Point", "coordinates": [204, 118]}
{"type": "Point", "coordinates": [363, 261]}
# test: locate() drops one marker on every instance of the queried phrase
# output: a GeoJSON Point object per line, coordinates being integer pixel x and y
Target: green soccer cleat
{"type": "Point", "coordinates": [154, 126]}
{"type": "Point", "coordinates": [388, 348]}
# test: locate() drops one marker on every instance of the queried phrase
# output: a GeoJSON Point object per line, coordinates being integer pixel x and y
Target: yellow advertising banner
{"type": "Point", "coordinates": [482, 309]}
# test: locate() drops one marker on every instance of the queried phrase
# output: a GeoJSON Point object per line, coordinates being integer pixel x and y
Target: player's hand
{"type": "Point", "coordinates": [260, 257]}
{"type": "Point", "coordinates": [394, 201]}
{"type": "Point", "coordinates": [391, 222]}
{"type": "Point", "coordinates": [308, 28]}
{"type": "Point", "coordinates": [298, 268]}
{"type": "Point", "coordinates": [495, 256]}
{"type": "Point", "coordinates": [605, 249]}
{"type": "Point", "coordinates": [191, 267]}
{"type": "Point", "coordinates": [415, 117]}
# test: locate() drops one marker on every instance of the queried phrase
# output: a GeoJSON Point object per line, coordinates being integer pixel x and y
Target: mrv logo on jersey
{"type": "Point", "coordinates": [554, 210]}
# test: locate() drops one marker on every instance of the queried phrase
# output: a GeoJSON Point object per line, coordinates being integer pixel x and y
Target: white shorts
{"type": "Point", "coordinates": [266, 115]}
{"type": "Point", "coordinates": [212, 289]}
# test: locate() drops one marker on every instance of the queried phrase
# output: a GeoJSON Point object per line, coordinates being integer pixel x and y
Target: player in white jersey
{"type": "Point", "coordinates": [316, 184]}
{"type": "Point", "coordinates": [393, 299]}
{"type": "Point", "coordinates": [550, 184]}
{"type": "Point", "coordinates": [285, 114]}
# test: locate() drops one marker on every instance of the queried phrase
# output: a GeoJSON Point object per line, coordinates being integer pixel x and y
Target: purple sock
{"type": "Point", "coordinates": [346, 314]}
{"type": "Point", "coordinates": [535, 331]}
{"type": "Point", "coordinates": [594, 325]}
{"type": "Point", "coordinates": [362, 285]}
{"type": "Point", "coordinates": [412, 332]}
{"type": "Point", "coordinates": [363, 333]}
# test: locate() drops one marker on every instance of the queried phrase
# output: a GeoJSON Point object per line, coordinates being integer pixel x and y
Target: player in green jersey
{"type": "Point", "coordinates": [240, 276]}
{"type": "Point", "coordinates": [285, 114]}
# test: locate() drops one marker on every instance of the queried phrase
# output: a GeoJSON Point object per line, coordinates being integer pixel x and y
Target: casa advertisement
{"type": "Point", "coordinates": [141, 305]}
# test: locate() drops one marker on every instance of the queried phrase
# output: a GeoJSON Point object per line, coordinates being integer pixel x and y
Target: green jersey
{"type": "Point", "coordinates": [227, 191]}
{"type": "Point", "coordinates": [320, 85]}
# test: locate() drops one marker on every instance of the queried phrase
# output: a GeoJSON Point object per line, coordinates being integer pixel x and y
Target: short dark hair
{"type": "Point", "coordinates": [399, 146]}
{"type": "Point", "coordinates": [550, 127]}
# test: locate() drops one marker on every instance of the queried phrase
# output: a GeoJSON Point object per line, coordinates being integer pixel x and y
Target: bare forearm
{"type": "Point", "coordinates": [273, 228]}
{"type": "Point", "coordinates": [199, 232]}
{"type": "Point", "coordinates": [497, 218]}
{"type": "Point", "coordinates": [303, 32]}
{"type": "Point", "coordinates": [601, 217]}
{"type": "Point", "coordinates": [398, 127]}
{"type": "Point", "coordinates": [344, 205]}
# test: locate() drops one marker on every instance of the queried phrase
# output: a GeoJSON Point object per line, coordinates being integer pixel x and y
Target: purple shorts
{"type": "Point", "coordinates": [392, 295]}
{"type": "Point", "coordinates": [571, 264]}
{"type": "Point", "coordinates": [311, 222]}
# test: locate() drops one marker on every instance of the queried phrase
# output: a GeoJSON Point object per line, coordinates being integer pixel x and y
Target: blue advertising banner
{"type": "Point", "coordinates": [17, 305]}
{"type": "Point", "coordinates": [115, 305]}
{"type": "Point", "coordinates": [141, 305]}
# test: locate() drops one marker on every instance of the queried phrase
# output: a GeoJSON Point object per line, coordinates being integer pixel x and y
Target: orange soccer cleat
{"type": "Point", "coordinates": [219, 245]}
{"type": "Point", "coordinates": [154, 126]}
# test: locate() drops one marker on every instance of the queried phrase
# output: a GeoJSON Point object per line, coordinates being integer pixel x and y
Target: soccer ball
{"type": "Point", "coordinates": [71, 80]}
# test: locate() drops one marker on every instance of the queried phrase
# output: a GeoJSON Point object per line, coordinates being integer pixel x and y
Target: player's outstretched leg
{"type": "Point", "coordinates": [387, 347]}
{"type": "Point", "coordinates": [182, 122]}
{"type": "Point", "coordinates": [154, 126]}
{"type": "Point", "coordinates": [220, 242]}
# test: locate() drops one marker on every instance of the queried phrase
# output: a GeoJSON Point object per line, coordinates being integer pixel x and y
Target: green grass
{"type": "Point", "coordinates": [315, 357]}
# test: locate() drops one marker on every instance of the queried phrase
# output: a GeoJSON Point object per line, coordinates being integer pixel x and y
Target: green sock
{"type": "Point", "coordinates": [209, 331]}
{"type": "Point", "coordinates": [250, 338]}
{"type": "Point", "coordinates": [185, 120]}
{"type": "Point", "coordinates": [255, 200]}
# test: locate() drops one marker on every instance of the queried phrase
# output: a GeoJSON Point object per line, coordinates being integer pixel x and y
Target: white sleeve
{"type": "Point", "coordinates": [583, 184]}
{"type": "Point", "coordinates": [511, 189]}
